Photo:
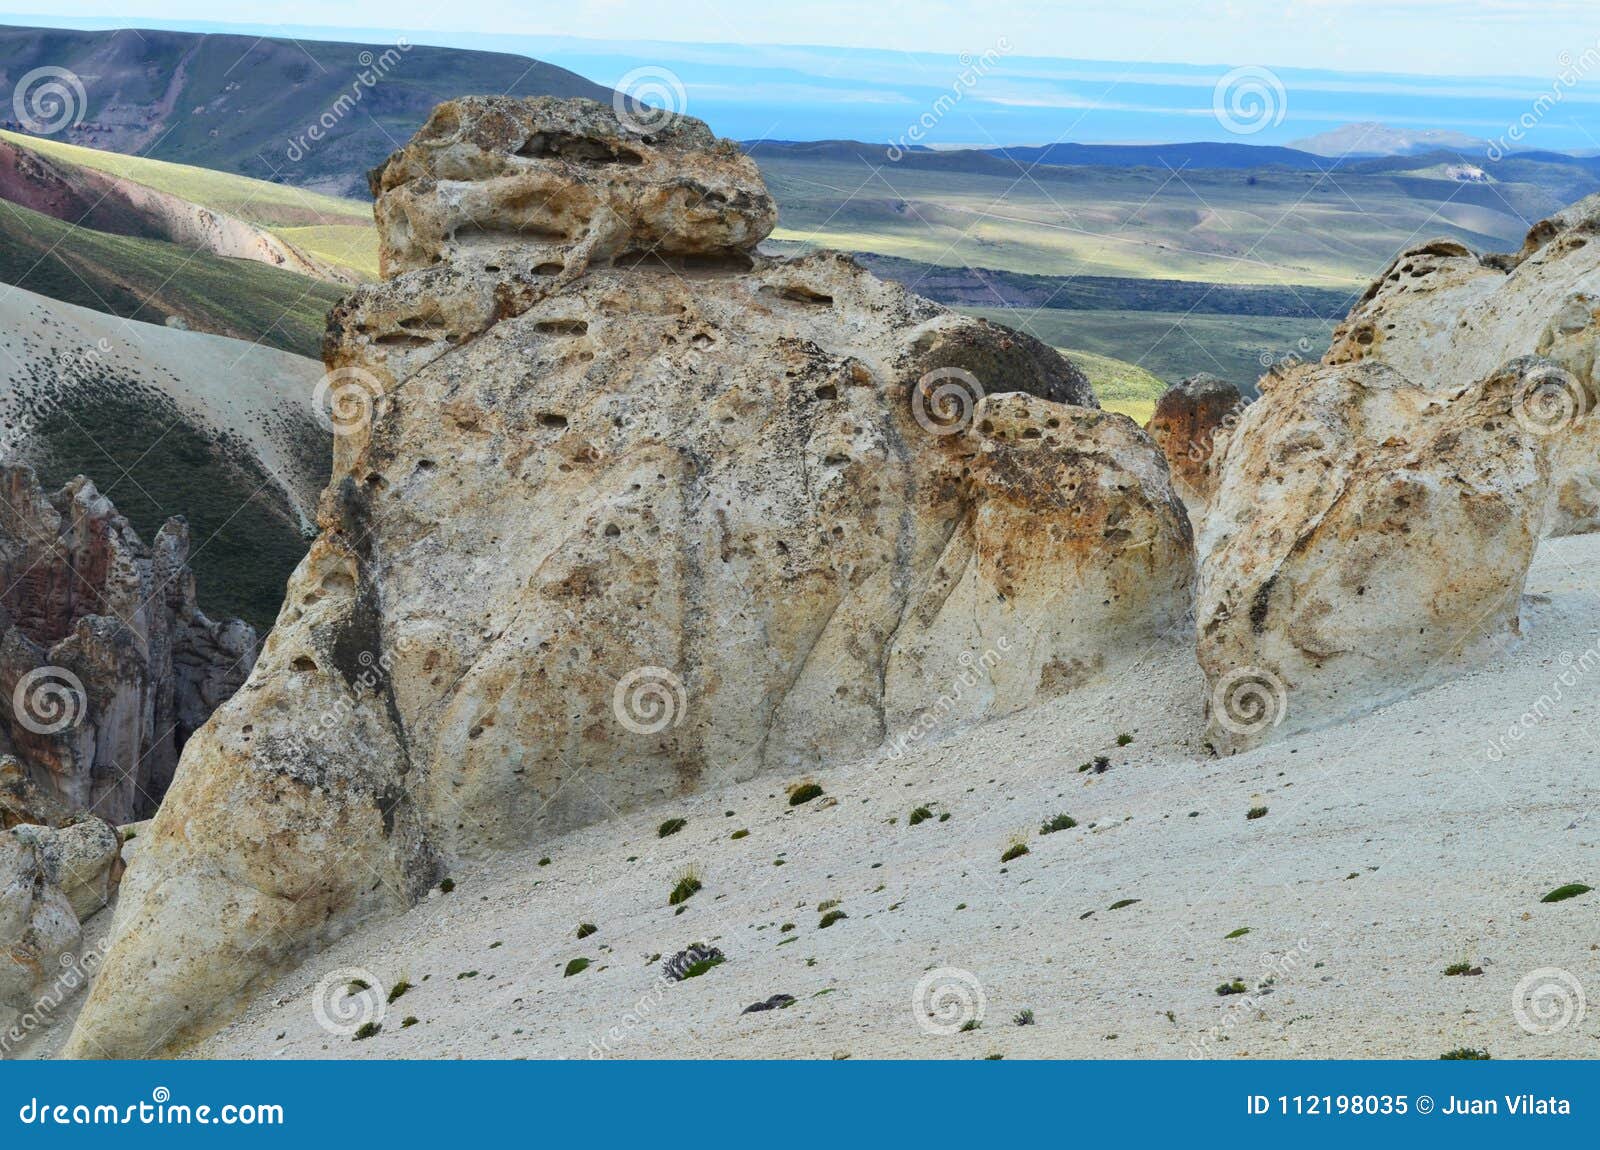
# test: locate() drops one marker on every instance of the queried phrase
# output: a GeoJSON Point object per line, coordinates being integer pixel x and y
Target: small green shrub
{"type": "Point", "coordinates": [1124, 740]}
{"type": "Point", "coordinates": [367, 1030]}
{"type": "Point", "coordinates": [1023, 1018]}
{"type": "Point", "coordinates": [1059, 823]}
{"type": "Point", "coordinates": [1562, 893]}
{"type": "Point", "coordinates": [447, 886]}
{"type": "Point", "coordinates": [920, 815]}
{"type": "Point", "coordinates": [688, 882]}
{"type": "Point", "coordinates": [1240, 933]}
{"type": "Point", "coordinates": [945, 817]}
{"type": "Point", "coordinates": [671, 827]}
{"type": "Point", "coordinates": [1234, 987]}
{"type": "Point", "coordinates": [830, 918]}
{"type": "Point", "coordinates": [545, 861]}
{"type": "Point", "coordinates": [1016, 850]}
{"type": "Point", "coordinates": [804, 793]}
{"type": "Point", "coordinates": [971, 1024]}
{"type": "Point", "coordinates": [1465, 1054]}
{"type": "Point", "coordinates": [739, 835]}
{"type": "Point", "coordinates": [398, 989]}
{"type": "Point", "coordinates": [1122, 902]}
{"type": "Point", "coordinates": [576, 966]}
{"type": "Point", "coordinates": [826, 905]}
{"type": "Point", "coordinates": [585, 929]}
{"type": "Point", "coordinates": [408, 1020]}
{"type": "Point", "coordinates": [1255, 812]}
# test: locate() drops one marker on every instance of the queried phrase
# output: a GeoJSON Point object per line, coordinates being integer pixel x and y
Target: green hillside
{"type": "Point", "coordinates": [151, 280]}
{"type": "Point", "coordinates": [337, 231]}
{"type": "Point", "coordinates": [248, 104]}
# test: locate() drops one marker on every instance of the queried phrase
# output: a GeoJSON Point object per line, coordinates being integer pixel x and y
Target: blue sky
{"type": "Point", "coordinates": [1133, 71]}
{"type": "Point", "coordinates": [1429, 37]}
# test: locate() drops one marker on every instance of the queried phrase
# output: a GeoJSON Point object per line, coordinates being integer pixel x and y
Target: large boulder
{"type": "Point", "coordinates": [107, 663]}
{"type": "Point", "coordinates": [1368, 536]}
{"type": "Point", "coordinates": [622, 508]}
{"type": "Point", "coordinates": [1191, 421]}
{"type": "Point", "coordinates": [38, 927]}
{"type": "Point", "coordinates": [1445, 317]}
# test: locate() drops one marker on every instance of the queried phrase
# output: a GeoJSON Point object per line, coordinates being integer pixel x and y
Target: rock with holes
{"type": "Point", "coordinates": [1368, 536]}
{"type": "Point", "coordinates": [606, 528]}
{"type": "Point", "coordinates": [1190, 421]}
{"type": "Point", "coordinates": [38, 927]}
{"type": "Point", "coordinates": [1444, 317]}
{"type": "Point", "coordinates": [568, 181]}
{"type": "Point", "coordinates": [107, 663]}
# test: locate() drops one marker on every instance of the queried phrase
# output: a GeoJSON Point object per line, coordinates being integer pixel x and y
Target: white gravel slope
{"type": "Point", "coordinates": [1392, 848]}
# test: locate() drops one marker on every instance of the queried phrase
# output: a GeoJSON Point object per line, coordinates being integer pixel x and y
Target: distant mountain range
{"type": "Point", "coordinates": [1374, 139]}
{"type": "Point", "coordinates": [308, 113]}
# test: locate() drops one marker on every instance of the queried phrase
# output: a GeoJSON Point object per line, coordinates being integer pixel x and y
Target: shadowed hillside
{"type": "Point", "coordinates": [246, 104]}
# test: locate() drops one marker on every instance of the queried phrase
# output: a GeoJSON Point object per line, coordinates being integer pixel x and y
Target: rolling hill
{"type": "Point", "coordinates": [313, 114]}
{"type": "Point", "coordinates": [226, 214]}
{"type": "Point", "coordinates": [156, 282]}
{"type": "Point", "coordinates": [169, 423]}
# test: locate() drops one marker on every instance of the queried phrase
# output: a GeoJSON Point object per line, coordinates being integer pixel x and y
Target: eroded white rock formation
{"type": "Point", "coordinates": [621, 508]}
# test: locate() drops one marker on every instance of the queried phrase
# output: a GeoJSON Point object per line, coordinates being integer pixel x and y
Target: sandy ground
{"type": "Point", "coordinates": [1392, 848]}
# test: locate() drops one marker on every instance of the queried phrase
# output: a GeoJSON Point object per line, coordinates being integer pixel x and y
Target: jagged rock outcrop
{"type": "Point", "coordinates": [1368, 536]}
{"type": "Point", "coordinates": [38, 925]}
{"type": "Point", "coordinates": [621, 508]}
{"type": "Point", "coordinates": [1444, 317]}
{"type": "Point", "coordinates": [1190, 420]}
{"type": "Point", "coordinates": [107, 665]}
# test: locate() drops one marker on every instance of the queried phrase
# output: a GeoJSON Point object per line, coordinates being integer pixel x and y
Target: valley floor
{"type": "Point", "coordinates": [1392, 847]}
